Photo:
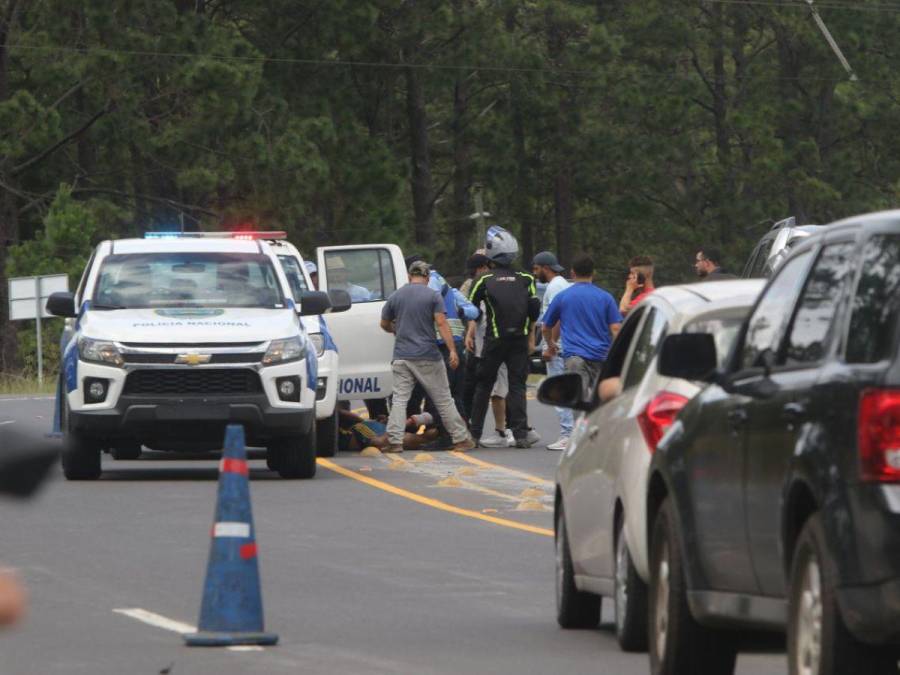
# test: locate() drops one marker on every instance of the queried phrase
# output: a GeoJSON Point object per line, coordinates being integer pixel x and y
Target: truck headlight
{"type": "Point", "coordinates": [318, 342]}
{"type": "Point", "coordinates": [100, 351]}
{"type": "Point", "coordinates": [281, 351]}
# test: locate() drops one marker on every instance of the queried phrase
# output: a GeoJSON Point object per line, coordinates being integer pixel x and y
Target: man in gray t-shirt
{"type": "Point", "coordinates": [411, 314]}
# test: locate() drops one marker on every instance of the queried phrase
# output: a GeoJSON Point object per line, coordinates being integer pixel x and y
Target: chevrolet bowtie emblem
{"type": "Point", "coordinates": [193, 359]}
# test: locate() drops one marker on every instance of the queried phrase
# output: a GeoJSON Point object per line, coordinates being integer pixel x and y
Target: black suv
{"type": "Point", "coordinates": [774, 499]}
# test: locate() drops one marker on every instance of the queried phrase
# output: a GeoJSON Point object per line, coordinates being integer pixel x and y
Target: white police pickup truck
{"type": "Point", "coordinates": [177, 337]}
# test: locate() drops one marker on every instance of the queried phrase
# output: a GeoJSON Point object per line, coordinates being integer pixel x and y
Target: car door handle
{"type": "Point", "coordinates": [794, 411]}
{"type": "Point", "coordinates": [737, 418]}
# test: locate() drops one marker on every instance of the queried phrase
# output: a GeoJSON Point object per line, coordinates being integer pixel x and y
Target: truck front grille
{"type": "Point", "coordinates": [189, 381]}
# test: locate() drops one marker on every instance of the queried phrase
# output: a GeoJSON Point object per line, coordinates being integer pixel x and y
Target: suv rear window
{"type": "Point", "coordinates": [875, 304]}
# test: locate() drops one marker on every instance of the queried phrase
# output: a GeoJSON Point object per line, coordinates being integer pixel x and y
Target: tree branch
{"type": "Point", "coordinates": [63, 141]}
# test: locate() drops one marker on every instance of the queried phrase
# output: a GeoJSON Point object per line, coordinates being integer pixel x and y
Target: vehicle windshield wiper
{"type": "Point", "coordinates": [109, 307]}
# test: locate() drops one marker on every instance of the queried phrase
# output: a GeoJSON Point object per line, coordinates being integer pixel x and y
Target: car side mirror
{"type": "Point", "coordinates": [62, 304]}
{"type": "Point", "coordinates": [689, 356]}
{"type": "Point", "coordinates": [313, 303]}
{"type": "Point", "coordinates": [564, 391]}
{"type": "Point", "coordinates": [25, 464]}
{"type": "Point", "coordinates": [340, 300]}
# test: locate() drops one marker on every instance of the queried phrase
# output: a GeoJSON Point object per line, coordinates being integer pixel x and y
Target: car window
{"type": "Point", "coordinates": [759, 265]}
{"type": "Point", "coordinates": [79, 291]}
{"type": "Point", "coordinates": [766, 325]}
{"type": "Point", "coordinates": [294, 275]}
{"type": "Point", "coordinates": [645, 348]}
{"type": "Point", "coordinates": [724, 330]}
{"type": "Point", "coordinates": [366, 274]}
{"type": "Point", "coordinates": [875, 303]}
{"type": "Point", "coordinates": [810, 334]}
{"type": "Point", "coordinates": [615, 360]}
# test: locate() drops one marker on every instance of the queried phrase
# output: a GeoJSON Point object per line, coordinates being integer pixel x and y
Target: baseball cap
{"type": "Point", "coordinates": [310, 267]}
{"type": "Point", "coordinates": [477, 260]}
{"type": "Point", "coordinates": [410, 259]}
{"type": "Point", "coordinates": [548, 259]}
{"type": "Point", "coordinates": [419, 268]}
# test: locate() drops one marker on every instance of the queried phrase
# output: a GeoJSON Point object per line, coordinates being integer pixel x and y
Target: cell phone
{"type": "Point", "coordinates": [641, 278]}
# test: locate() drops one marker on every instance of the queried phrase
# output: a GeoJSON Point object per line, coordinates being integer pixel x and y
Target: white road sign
{"type": "Point", "coordinates": [27, 293]}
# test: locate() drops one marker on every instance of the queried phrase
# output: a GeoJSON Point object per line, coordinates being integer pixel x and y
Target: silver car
{"type": "Point", "coordinates": [775, 245]}
{"type": "Point", "coordinates": [602, 476]}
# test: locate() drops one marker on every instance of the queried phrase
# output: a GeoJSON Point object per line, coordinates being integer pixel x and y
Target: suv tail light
{"type": "Point", "coordinates": [878, 435]}
{"type": "Point", "coordinates": [658, 416]}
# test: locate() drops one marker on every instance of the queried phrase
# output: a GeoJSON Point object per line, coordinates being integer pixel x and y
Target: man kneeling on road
{"type": "Point", "coordinates": [411, 314]}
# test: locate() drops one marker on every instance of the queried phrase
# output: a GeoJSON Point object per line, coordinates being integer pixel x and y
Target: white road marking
{"type": "Point", "coordinates": [157, 620]}
{"type": "Point", "coordinates": [231, 529]}
{"type": "Point", "coordinates": [7, 422]}
{"type": "Point", "coordinates": [27, 398]}
{"type": "Point", "coordinates": [160, 621]}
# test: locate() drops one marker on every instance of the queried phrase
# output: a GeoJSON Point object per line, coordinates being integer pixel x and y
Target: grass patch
{"type": "Point", "coordinates": [20, 385]}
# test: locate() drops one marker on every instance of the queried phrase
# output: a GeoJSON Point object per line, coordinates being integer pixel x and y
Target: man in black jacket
{"type": "Point", "coordinates": [707, 264]}
{"type": "Point", "coordinates": [511, 307]}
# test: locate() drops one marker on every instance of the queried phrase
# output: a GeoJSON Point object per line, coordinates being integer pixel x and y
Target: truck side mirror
{"type": "Point", "coordinates": [340, 300]}
{"type": "Point", "coordinates": [313, 303]}
{"type": "Point", "coordinates": [62, 304]}
{"type": "Point", "coordinates": [689, 356]}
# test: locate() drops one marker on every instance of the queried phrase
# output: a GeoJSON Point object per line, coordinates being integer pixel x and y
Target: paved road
{"type": "Point", "coordinates": [358, 577]}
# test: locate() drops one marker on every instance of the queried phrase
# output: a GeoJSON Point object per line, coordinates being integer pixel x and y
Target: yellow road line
{"type": "Point", "coordinates": [428, 501]}
{"type": "Point", "coordinates": [488, 465]}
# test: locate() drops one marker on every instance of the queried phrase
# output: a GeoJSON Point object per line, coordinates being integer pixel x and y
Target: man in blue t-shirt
{"type": "Point", "coordinates": [590, 319]}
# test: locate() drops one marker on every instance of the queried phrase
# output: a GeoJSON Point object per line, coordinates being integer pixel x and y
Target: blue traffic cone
{"type": "Point", "coordinates": [232, 613]}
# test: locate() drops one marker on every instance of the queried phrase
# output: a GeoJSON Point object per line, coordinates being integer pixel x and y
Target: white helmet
{"type": "Point", "coordinates": [500, 246]}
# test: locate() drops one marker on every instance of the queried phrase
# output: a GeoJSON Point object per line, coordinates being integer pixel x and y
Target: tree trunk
{"type": "Point", "coordinates": [463, 227]}
{"type": "Point", "coordinates": [9, 215]}
{"type": "Point", "coordinates": [520, 198]}
{"type": "Point", "coordinates": [422, 190]}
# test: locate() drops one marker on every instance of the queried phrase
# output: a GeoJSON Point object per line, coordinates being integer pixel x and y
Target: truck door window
{"type": "Point", "coordinates": [366, 274]}
{"type": "Point", "coordinates": [766, 326]}
{"type": "Point", "coordinates": [811, 331]}
{"type": "Point", "coordinates": [294, 275]}
{"type": "Point", "coordinates": [875, 303]}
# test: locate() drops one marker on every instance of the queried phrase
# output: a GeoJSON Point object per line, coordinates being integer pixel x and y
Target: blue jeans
{"type": "Point", "coordinates": [556, 366]}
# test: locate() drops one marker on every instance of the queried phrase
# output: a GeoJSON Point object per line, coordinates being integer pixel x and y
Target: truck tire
{"type": "Point", "coordinates": [678, 644]}
{"type": "Point", "coordinates": [630, 598]}
{"type": "Point", "coordinates": [296, 455]}
{"type": "Point", "coordinates": [818, 641]}
{"type": "Point", "coordinates": [327, 435]}
{"type": "Point", "coordinates": [574, 608]}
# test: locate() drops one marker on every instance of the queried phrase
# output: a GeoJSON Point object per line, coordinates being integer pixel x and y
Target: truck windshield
{"type": "Point", "coordinates": [198, 279]}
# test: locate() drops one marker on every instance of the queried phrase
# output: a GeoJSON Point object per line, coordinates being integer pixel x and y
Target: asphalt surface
{"type": "Point", "coordinates": [356, 577]}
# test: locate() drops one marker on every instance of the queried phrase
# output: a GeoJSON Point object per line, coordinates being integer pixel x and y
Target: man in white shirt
{"type": "Point", "coordinates": [546, 268]}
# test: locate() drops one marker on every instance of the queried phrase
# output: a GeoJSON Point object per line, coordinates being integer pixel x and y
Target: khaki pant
{"type": "Point", "coordinates": [432, 375]}
{"type": "Point", "coordinates": [589, 371]}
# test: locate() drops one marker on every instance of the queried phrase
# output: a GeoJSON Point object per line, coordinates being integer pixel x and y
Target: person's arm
{"type": "Point", "coordinates": [549, 327]}
{"type": "Point", "coordinates": [614, 328]}
{"type": "Point", "coordinates": [467, 311]}
{"type": "Point", "coordinates": [387, 326]}
{"type": "Point", "coordinates": [387, 316]}
{"type": "Point", "coordinates": [613, 318]}
{"type": "Point", "coordinates": [631, 286]}
{"type": "Point", "coordinates": [470, 336]}
{"type": "Point", "coordinates": [440, 320]}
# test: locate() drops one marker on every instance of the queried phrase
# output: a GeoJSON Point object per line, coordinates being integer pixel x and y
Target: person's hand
{"type": "Point", "coordinates": [454, 360]}
{"type": "Point", "coordinates": [550, 352]}
{"type": "Point", "coordinates": [13, 598]}
{"type": "Point", "coordinates": [470, 343]}
{"type": "Point", "coordinates": [631, 284]}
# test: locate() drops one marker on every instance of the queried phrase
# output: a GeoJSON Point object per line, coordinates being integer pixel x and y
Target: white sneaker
{"type": "Point", "coordinates": [533, 437]}
{"type": "Point", "coordinates": [560, 444]}
{"type": "Point", "coordinates": [493, 441]}
{"type": "Point", "coordinates": [510, 439]}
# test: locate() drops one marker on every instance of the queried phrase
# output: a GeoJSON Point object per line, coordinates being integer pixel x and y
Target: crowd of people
{"type": "Point", "coordinates": [458, 352]}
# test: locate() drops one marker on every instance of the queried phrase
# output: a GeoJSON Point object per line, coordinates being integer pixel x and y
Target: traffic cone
{"type": "Point", "coordinates": [232, 613]}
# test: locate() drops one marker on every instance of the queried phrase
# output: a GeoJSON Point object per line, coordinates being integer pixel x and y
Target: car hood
{"type": "Point", "coordinates": [189, 326]}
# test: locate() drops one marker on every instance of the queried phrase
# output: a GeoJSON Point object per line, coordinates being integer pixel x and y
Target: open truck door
{"type": "Point", "coordinates": [369, 273]}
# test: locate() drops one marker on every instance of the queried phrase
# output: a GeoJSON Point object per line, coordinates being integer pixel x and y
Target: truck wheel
{"type": "Point", "coordinates": [574, 608]}
{"type": "Point", "coordinates": [272, 458]}
{"type": "Point", "coordinates": [327, 435]}
{"type": "Point", "coordinates": [818, 641]}
{"type": "Point", "coordinates": [126, 451]}
{"type": "Point", "coordinates": [630, 598]}
{"type": "Point", "coordinates": [297, 455]}
{"type": "Point", "coordinates": [678, 644]}
{"type": "Point", "coordinates": [80, 456]}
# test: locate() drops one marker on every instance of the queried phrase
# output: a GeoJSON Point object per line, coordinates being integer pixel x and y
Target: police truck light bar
{"type": "Point", "coordinates": [268, 235]}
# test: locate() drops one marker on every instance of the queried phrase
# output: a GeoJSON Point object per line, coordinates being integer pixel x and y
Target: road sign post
{"type": "Point", "coordinates": [28, 300]}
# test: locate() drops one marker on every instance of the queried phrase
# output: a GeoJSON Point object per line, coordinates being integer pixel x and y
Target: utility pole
{"type": "Point", "coordinates": [479, 216]}
{"type": "Point", "coordinates": [831, 41]}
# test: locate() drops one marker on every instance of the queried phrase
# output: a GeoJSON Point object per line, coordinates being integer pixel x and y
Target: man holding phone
{"type": "Point", "coordinates": [639, 283]}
